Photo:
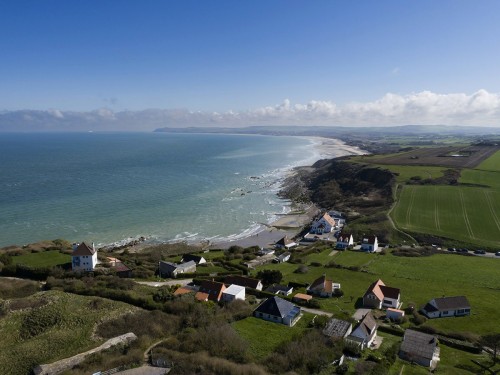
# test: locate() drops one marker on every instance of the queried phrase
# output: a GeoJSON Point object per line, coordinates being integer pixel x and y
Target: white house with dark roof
{"type": "Point", "coordinates": [285, 243]}
{"type": "Point", "coordinates": [421, 348]}
{"type": "Point", "coordinates": [369, 244]}
{"type": "Point", "coordinates": [284, 290]}
{"type": "Point", "coordinates": [344, 240]}
{"type": "Point", "coordinates": [198, 259]}
{"type": "Point", "coordinates": [278, 310]}
{"type": "Point", "coordinates": [446, 306]}
{"type": "Point", "coordinates": [168, 269]}
{"type": "Point", "coordinates": [324, 224]}
{"type": "Point", "coordinates": [244, 281]}
{"type": "Point", "coordinates": [364, 334]}
{"type": "Point", "coordinates": [380, 295]}
{"type": "Point", "coordinates": [83, 257]}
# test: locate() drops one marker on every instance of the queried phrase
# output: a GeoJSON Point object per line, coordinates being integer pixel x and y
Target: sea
{"type": "Point", "coordinates": [110, 188]}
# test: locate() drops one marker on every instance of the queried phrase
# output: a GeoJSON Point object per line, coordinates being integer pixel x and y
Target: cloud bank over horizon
{"type": "Point", "coordinates": [481, 108]}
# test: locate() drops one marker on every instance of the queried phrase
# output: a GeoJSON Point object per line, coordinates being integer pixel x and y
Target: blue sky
{"type": "Point", "coordinates": [251, 56]}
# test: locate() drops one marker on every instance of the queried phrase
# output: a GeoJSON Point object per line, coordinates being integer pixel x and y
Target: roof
{"type": "Point", "coordinates": [323, 283]}
{"type": "Point", "coordinates": [382, 291]}
{"type": "Point", "coordinates": [120, 267]}
{"type": "Point", "coordinates": [213, 288]}
{"type": "Point", "coordinates": [276, 306]}
{"type": "Point", "coordinates": [367, 324]}
{"type": "Point", "coordinates": [83, 249]}
{"type": "Point", "coordinates": [242, 281]}
{"type": "Point", "coordinates": [192, 257]}
{"type": "Point", "coordinates": [200, 296]}
{"type": "Point", "coordinates": [303, 296]}
{"type": "Point", "coordinates": [395, 310]}
{"type": "Point", "coordinates": [234, 289]}
{"type": "Point", "coordinates": [328, 219]}
{"type": "Point", "coordinates": [451, 303]}
{"type": "Point", "coordinates": [369, 239]}
{"type": "Point", "coordinates": [285, 241]}
{"type": "Point", "coordinates": [279, 288]}
{"type": "Point", "coordinates": [336, 328]}
{"type": "Point", "coordinates": [183, 290]}
{"type": "Point", "coordinates": [344, 237]}
{"type": "Point", "coordinates": [189, 264]}
{"type": "Point", "coordinates": [419, 344]}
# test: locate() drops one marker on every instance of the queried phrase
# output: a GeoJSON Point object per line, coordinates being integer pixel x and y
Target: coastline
{"type": "Point", "coordinates": [291, 224]}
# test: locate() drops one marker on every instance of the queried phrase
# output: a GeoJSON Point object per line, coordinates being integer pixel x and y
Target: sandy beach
{"type": "Point", "coordinates": [292, 223]}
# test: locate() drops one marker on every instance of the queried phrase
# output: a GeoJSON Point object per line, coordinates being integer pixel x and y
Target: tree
{"type": "Point", "coordinates": [269, 277]}
{"type": "Point", "coordinates": [492, 341]}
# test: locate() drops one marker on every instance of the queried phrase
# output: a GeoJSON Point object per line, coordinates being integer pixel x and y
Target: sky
{"type": "Point", "coordinates": [141, 64]}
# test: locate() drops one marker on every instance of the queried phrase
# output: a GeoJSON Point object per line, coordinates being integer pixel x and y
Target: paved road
{"type": "Point", "coordinates": [163, 283]}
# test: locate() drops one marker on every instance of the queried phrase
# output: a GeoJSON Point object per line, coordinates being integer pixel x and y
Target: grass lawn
{"type": "Point", "coordinates": [475, 176]}
{"type": "Point", "coordinates": [264, 337]}
{"type": "Point", "coordinates": [491, 164]}
{"type": "Point", "coordinates": [65, 324]}
{"type": "Point", "coordinates": [405, 172]}
{"type": "Point", "coordinates": [420, 279]}
{"type": "Point", "coordinates": [42, 259]}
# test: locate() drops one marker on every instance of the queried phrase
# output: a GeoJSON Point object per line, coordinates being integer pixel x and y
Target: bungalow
{"type": "Point", "coordinates": [379, 295]}
{"type": "Point", "coordinates": [301, 297]}
{"type": "Point", "coordinates": [278, 310]}
{"type": "Point", "coordinates": [394, 314]}
{"type": "Point", "coordinates": [280, 289]}
{"type": "Point", "coordinates": [282, 258]}
{"type": "Point", "coordinates": [447, 306]}
{"type": "Point", "coordinates": [421, 348]}
{"type": "Point", "coordinates": [323, 287]}
{"type": "Point", "coordinates": [369, 244]}
{"type": "Point", "coordinates": [364, 333]}
{"type": "Point", "coordinates": [246, 282]}
{"type": "Point", "coordinates": [285, 243]}
{"type": "Point", "coordinates": [234, 292]}
{"type": "Point", "coordinates": [324, 224]}
{"type": "Point", "coordinates": [168, 269]}
{"type": "Point", "coordinates": [337, 329]}
{"type": "Point", "coordinates": [344, 240]}
{"type": "Point", "coordinates": [213, 289]}
{"type": "Point", "coordinates": [83, 257]}
{"type": "Point", "coordinates": [195, 258]}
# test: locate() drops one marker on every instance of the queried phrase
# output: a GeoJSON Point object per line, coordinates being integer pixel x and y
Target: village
{"type": "Point", "coordinates": [380, 307]}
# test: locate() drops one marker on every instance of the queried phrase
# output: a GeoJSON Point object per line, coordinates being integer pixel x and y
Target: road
{"type": "Point", "coordinates": [163, 283]}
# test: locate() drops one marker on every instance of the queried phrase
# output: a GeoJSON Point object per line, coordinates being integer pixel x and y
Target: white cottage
{"type": "Point", "coordinates": [83, 258]}
{"type": "Point", "coordinates": [324, 224]}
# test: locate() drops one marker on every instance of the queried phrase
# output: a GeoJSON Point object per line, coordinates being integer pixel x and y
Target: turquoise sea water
{"type": "Point", "coordinates": [105, 187]}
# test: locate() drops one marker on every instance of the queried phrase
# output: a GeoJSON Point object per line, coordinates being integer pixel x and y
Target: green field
{"type": "Point", "coordinates": [42, 259]}
{"type": "Point", "coordinates": [405, 172]}
{"type": "Point", "coordinates": [491, 164]}
{"type": "Point", "coordinates": [469, 214]}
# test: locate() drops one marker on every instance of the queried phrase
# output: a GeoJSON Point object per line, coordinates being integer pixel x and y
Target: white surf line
{"type": "Point", "coordinates": [492, 209]}
{"type": "Point", "coordinates": [436, 210]}
{"type": "Point", "coordinates": [410, 206]}
{"type": "Point", "coordinates": [466, 217]}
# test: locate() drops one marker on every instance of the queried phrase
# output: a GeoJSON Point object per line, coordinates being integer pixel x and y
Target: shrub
{"type": "Point", "coordinates": [302, 269]}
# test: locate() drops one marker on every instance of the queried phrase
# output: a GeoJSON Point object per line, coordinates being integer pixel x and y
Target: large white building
{"type": "Point", "coordinates": [84, 257]}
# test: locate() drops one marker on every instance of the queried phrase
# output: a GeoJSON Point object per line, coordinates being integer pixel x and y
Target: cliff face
{"type": "Point", "coordinates": [349, 187]}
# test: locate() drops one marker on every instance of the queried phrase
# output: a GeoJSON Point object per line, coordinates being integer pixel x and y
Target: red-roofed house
{"type": "Point", "coordinates": [379, 295]}
{"type": "Point", "coordinates": [324, 224]}
{"type": "Point", "coordinates": [323, 287]}
{"type": "Point", "coordinates": [83, 258]}
{"type": "Point", "coordinates": [213, 289]}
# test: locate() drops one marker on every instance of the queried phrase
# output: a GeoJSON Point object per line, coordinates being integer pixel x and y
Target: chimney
{"type": "Point", "coordinates": [93, 247]}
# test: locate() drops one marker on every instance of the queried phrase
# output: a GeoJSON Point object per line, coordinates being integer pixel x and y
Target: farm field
{"type": "Point", "coordinates": [469, 214]}
{"type": "Point", "coordinates": [491, 164]}
{"type": "Point", "coordinates": [419, 278]}
{"type": "Point", "coordinates": [405, 172]}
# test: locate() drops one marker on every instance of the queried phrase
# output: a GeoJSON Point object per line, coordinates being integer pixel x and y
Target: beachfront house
{"type": "Point", "coordinates": [324, 224]}
{"type": "Point", "coordinates": [278, 310]}
{"type": "Point", "coordinates": [380, 295]}
{"type": "Point", "coordinates": [447, 306]}
{"type": "Point", "coordinates": [285, 243]}
{"type": "Point", "coordinates": [83, 257]}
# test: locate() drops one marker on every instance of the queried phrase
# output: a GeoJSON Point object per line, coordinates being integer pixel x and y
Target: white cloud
{"type": "Point", "coordinates": [422, 108]}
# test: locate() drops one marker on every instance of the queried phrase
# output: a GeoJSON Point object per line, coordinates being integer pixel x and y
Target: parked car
{"type": "Point", "coordinates": [451, 249]}
{"type": "Point", "coordinates": [497, 253]}
{"type": "Point", "coordinates": [482, 252]}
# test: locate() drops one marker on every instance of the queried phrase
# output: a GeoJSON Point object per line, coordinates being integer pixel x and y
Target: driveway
{"type": "Point", "coordinates": [358, 315]}
{"type": "Point", "coordinates": [315, 311]}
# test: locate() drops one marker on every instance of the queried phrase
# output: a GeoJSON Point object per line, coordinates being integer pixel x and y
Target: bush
{"type": "Point", "coordinates": [302, 269]}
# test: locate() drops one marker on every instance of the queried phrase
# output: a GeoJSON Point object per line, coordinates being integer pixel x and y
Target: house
{"type": "Point", "coordinates": [278, 310]}
{"type": "Point", "coordinates": [421, 348]}
{"type": "Point", "coordinates": [83, 257]}
{"type": "Point", "coordinates": [394, 314]}
{"type": "Point", "coordinates": [195, 258]}
{"type": "Point", "coordinates": [344, 240]}
{"type": "Point", "coordinates": [122, 270]}
{"type": "Point", "coordinates": [234, 292]}
{"type": "Point", "coordinates": [337, 329]}
{"type": "Point", "coordinates": [183, 290]}
{"type": "Point", "coordinates": [214, 290]}
{"type": "Point", "coordinates": [168, 269]}
{"type": "Point", "coordinates": [282, 258]}
{"type": "Point", "coordinates": [323, 287]}
{"type": "Point", "coordinates": [285, 243]}
{"type": "Point", "coordinates": [301, 297]}
{"type": "Point", "coordinates": [369, 244]}
{"type": "Point", "coordinates": [365, 332]}
{"type": "Point", "coordinates": [324, 224]}
{"type": "Point", "coordinates": [447, 306]}
{"type": "Point", "coordinates": [246, 282]}
{"type": "Point", "coordinates": [265, 251]}
{"type": "Point", "coordinates": [379, 295]}
{"type": "Point", "coordinates": [280, 289]}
